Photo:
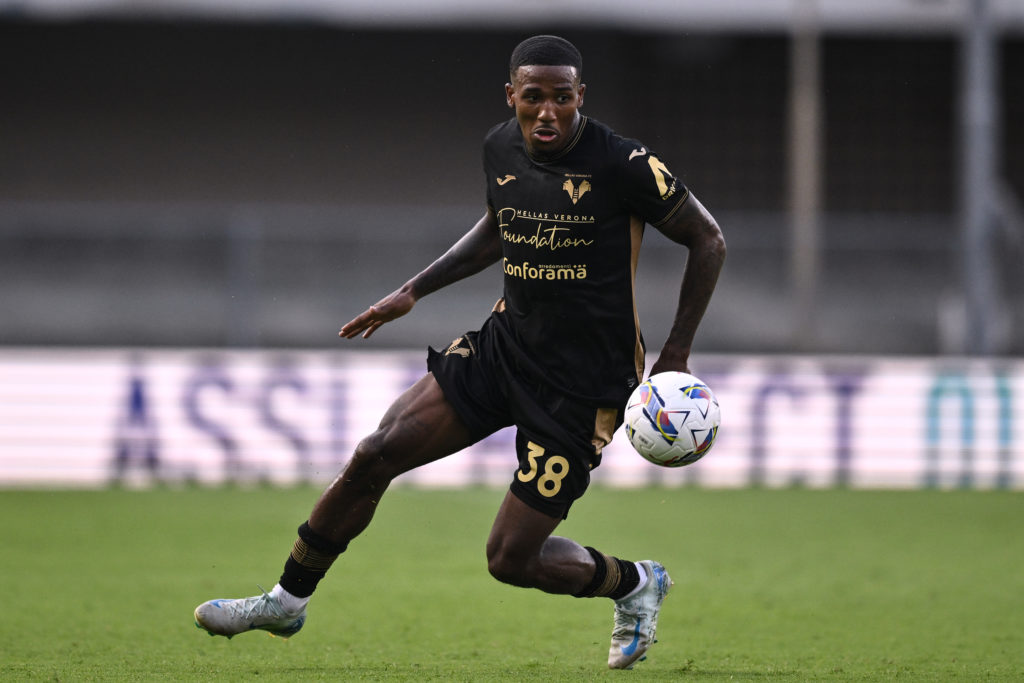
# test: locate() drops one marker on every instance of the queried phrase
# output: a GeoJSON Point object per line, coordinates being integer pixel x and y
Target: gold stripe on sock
{"type": "Point", "coordinates": [611, 578]}
{"type": "Point", "coordinates": [311, 558]}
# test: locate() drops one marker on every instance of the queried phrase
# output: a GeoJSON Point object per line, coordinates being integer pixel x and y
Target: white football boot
{"type": "Point", "coordinates": [636, 618]}
{"type": "Point", "coordinates": [264, 612]}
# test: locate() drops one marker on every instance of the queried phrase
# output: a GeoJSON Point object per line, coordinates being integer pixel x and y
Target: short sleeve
{"type": "Point", "coordinates": [650, 189]}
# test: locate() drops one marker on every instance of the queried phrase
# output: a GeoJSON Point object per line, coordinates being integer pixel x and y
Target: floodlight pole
{"type": "Point", "coordinates": [805, 171]}
{"type": "Point", "coordinates": [978, 179]}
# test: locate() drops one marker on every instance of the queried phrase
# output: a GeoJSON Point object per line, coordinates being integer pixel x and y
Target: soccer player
{"type": "Point", "coordinates": [567, 201]}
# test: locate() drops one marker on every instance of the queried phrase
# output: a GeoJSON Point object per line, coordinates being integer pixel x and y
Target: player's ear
{"type": "Point", "coordinates": [509, 91]}
{"type": "Point", "coordinates": [579, 94]}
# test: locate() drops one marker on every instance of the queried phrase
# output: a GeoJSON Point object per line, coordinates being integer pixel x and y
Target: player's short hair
{"type": "Point", "coordinates": [545, 51]}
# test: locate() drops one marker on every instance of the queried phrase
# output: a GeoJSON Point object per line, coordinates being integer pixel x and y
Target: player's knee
{"type": "Point", "coordinates": [505, 571]}
{"type": "Point", "coordinates": [507, 568]}
{"type": "Point", "coordinates": [370, 465]}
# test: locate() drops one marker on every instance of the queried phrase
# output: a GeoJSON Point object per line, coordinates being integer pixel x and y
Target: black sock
{"type": "Point", "coordinates": [613, 578]}
{"type": "Point", "coordinates": [629, 578]}
{"type": "Point", "coordinates": [311, 557]}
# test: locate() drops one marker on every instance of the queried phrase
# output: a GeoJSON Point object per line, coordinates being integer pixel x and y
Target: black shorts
{"type": "Point", "coordinates": [558, 439]}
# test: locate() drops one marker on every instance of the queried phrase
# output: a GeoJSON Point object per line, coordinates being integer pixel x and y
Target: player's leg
{"type": "Point", "coordinates": [419, 427]}
{"type": "Point", "coordinates": [522, 552]}
{"type": "Point", "coordinates": [556, 453]}
{"type": "Point", "coordinates": [559, 442]}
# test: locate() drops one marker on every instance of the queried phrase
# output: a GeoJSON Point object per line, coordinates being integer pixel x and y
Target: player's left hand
{"type": "Point", "coordinates": [394, 305]}
{"type": "Point", "coordinates": [670, 360]}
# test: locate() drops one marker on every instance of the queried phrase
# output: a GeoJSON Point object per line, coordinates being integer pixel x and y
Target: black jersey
{"type": "Point", "coordinates": [570, 234]}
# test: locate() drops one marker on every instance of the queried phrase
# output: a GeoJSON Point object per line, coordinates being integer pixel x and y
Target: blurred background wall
{"type": "Point", "coordinates": [202, 174]}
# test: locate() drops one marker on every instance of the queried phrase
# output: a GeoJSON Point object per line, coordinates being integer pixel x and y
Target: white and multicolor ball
{"type": "Point", "coordinates": [672, 419]}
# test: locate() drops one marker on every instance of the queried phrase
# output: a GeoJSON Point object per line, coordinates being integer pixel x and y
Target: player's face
{"type": "Point", "coordinates": [546, 100]}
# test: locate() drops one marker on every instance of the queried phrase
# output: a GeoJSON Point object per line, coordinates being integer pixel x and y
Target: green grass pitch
{"type": "Point", "coordinates": [787, 585]}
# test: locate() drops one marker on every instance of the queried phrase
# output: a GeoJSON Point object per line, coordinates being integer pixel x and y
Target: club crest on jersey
{"type": "Point", "coordinates": [575, 192]}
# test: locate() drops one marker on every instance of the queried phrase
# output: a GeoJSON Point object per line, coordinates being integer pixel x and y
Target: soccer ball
{"type": "Point", "coordinates": [672, 419]}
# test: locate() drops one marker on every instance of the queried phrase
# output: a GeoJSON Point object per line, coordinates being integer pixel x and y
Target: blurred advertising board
{"type": "Point", "coordinates": [91, 417]}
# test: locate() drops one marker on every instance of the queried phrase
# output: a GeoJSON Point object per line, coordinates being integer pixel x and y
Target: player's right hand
{"type": "Point", "coordinates": [394, 305]}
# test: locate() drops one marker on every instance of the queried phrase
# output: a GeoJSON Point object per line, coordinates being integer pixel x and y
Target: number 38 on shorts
{"type": "Point", "coordinates": [548, 470]}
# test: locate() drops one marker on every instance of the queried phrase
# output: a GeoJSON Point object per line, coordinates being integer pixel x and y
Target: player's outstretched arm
{"type": "Point", "coordinates": [694, 227]}
{"type": "Point", "coordinates": [477, 249]}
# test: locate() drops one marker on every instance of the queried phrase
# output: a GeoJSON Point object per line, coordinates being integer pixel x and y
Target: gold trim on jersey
{"type": "Point", "coordinates": [604, 428]}
{"type": "Point", "coordinates": [675, 209]}
{"type": "Point", "coordinates": [636, 234]}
